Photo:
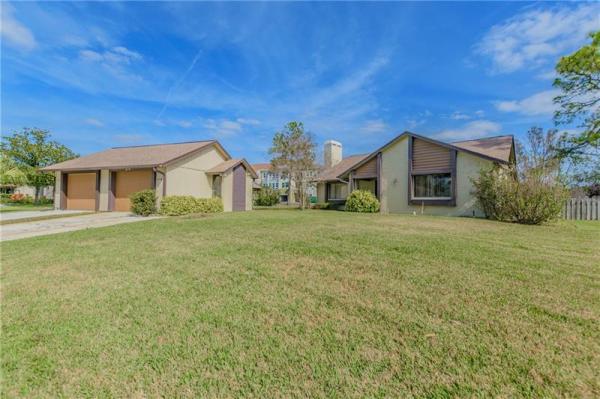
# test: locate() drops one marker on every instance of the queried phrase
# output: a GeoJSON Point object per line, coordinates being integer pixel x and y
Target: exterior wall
{"type": "Point", "coordinates": [321, 192]}
{"type": "Point", "coordinates": [367, 170]}
{"type": "Point", "coordinates": [227, 191]}
{"type": "Point", "coordinates": [248, 191]}
{"type": "Point", "coordinates": [394, 183]}
{"type": "Point", "coordinates": [103, 198]}
{"type": "Point", "coordinates": [159, 184]}
{"type": "Point", "coordinates": [47, 192]}
{"type": "Point", "coordinates": [57, 188]}
{"type": "Point", "coordinates": [188, 176]}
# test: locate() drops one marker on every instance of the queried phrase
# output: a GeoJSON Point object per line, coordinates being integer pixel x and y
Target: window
{"type": "Point", "coordinates": [336, 191]}
{"type": "Point", "coordinates": [216, 186]}
{"type": "Point", "coordinates": [437, 186]}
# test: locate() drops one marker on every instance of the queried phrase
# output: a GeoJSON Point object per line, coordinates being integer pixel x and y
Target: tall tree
{"type": "Point", "coordinates": [537, 155]}
{"type": "Point", "coordinates": [32, 149]}
{"type": "Point", "coordinates": [579, 82]}
{"type": "Point", "coordinates": [10, 174]}
{"type": "Point", "coordinates": [293, 152]}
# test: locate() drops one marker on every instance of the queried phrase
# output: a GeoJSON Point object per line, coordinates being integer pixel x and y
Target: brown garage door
{"type": "Point", "coordinates": [81, 191]}
{"type": "Point", "coordinates": [128, 183]}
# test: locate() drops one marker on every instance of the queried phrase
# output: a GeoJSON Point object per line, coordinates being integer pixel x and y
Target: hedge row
{"type": "Point", "coordinates": [176, 205]}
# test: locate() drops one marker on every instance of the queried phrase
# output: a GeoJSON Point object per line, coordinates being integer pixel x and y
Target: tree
{"type": "Point", "coordinates": [32, 149]}
{"type": "Point", "coordinates": [10, 174]}
{"type": "Point", "coordinates": [293, 152]}
{"type": "Point", "coordinates": [537, 155]}
{"type": "Point", "coordinates": [579, 82]}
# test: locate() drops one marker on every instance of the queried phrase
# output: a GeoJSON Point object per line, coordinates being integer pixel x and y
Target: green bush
{"type": "Point", "coordinates": [362, 201]}
{"type": "Point", "coordinates": [176, 205]}
{"type": "Point", "coordinates": [267, 197]}
{"type": "Point", "coordinates": [143, 202]}
{"type": "Point", "coordinates": [533, 199]}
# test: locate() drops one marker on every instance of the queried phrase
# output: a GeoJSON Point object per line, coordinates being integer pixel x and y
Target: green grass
{"type": "Point", "coordinates": [304, 304]}
{"type": "Point", "coordinates": [24, 207]}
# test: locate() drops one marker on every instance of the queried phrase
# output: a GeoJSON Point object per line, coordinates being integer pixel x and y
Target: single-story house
{"type": "Point", "coordinates": [103, 181]}
{"type": "Point", "coordinates": [413, 173]}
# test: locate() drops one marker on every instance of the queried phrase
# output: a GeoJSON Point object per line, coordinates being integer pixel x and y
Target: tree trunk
{"type": "Point", "coordinates": [37, 194]}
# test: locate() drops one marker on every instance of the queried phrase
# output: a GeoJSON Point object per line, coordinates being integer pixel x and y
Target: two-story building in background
{"type": "Point", "coordinates": [267, 177]}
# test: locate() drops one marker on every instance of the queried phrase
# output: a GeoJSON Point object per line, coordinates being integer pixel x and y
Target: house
{"type": "Point", "coordinates": [103, 181]}
{"type": "Point", "coordinates": [413, 173]}
{"type": "Point", "coordinates": [267, 177]}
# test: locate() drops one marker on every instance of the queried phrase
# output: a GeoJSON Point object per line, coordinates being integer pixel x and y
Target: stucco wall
{"type": "Point", "coordinates": [188, 176]}
{"type": "Point", "coordinates": [248, 191]}
{"type": "Point", "coordinates": [394, 175]}
{"type": "Point", "coordinates": [227, 191]}
{"type": "Point", "coordinates": [321, 192]}
{"type": "Point", "coordinates": [104, 182]}
{"type": "Point", "coordinates": [57, 189]}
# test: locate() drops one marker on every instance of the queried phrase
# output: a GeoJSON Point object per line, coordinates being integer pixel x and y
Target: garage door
{"type": "Point", "coordinates": [128, 183]}
{"type": "Point", "coordinates": [81, 191]}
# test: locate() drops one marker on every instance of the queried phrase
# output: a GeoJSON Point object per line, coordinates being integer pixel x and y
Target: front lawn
{"type": "Point", "coordinates": [310, 304]}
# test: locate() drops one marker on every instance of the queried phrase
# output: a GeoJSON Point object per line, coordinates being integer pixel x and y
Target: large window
{"type": "Point", "coordinates": [438, 186]}
{"type": "Point", "coordinates": [336, 191]}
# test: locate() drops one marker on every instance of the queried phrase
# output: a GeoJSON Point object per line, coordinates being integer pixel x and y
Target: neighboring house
{"type": "Point", "coordinates": [46, 192]}
{"type": "Point", "coordinates": [103, 181]}
{"type": "Point", "coordinates": [415, 173]}
{"type": "Point", "coordinates": [267, 177]}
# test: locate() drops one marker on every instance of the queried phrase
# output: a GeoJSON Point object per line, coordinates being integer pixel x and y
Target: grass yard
{"type": "Point", "coordinates": [24, 207]}
{"type": "Point", "coordinates": [304, 304]}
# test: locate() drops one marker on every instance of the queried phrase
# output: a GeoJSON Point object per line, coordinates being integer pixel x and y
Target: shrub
{"type": "Point", "coordinates": [177, 205]}
{"type": "Point", "coordinates": [362, 201]}
{"type": "Point", "coordinates": [267, 197]}
{"type": "Point", "coordinates": [143, 202]}
{"type": "Point", "coordinates": [19, 198]}
{"type": "Point", "coordinates": [531, 200]}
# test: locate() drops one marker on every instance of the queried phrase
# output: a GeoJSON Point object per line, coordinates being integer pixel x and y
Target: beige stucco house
{"type": "Point", "coordinates": [413, 173]}
{"type": "Point", "coordinates": [104, 180]}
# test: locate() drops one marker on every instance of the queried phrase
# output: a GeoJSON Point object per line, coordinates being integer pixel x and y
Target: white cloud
{"type": "Point", "coordinates": [14, 32]}
{"type": "Point", "coordinates": [479, 113]}
{"type": "Point", "coordinates": [184, 124]}
{"type": "Point", "coordinates": [534, 37]}
{"type": "Point", "coordinates": [473, 129]}
{"type": "Point", "coordinates": [537, 104]}
{"type": "Point", "coordinates": [245, 121]}
{"type": "Point", "coordinates": [223, 128]}
{"type": "Point", "coordinates": [93, 122]}
{"type": "Point", "coordinates": [457, 116]}
{"type": "Point", "coordinates": [374, 126]}
{"type": "Point", "coordinates": [114, 56]}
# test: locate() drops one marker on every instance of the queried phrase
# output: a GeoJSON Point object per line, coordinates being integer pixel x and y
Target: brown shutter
{"type": "Point", "coordinates": [430, 158]}
{"type": "Point", "coordinates": [368, 170]}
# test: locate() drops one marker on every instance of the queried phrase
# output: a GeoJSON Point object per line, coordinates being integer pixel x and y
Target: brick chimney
{"type": "Point", "coordinates": [332, 153]}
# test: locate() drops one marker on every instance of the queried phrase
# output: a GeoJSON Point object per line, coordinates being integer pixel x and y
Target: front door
{"type": "Point", "coordinates": [239, 188]}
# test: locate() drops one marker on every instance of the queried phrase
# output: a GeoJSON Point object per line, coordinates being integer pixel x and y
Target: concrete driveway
{"type": "Point", "coordinates": [15, 231]}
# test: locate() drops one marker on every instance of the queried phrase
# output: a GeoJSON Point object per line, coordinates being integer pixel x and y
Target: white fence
{"type": "Point", "coordinates": [582, 209]}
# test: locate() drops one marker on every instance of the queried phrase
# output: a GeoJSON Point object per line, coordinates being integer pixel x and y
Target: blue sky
{"type": "Point", "coordinates": [106, 74]}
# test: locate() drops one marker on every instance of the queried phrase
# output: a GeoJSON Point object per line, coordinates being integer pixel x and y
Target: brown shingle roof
{"type": "Point", "coordinates": [261, 166]}
{"type": "Point", "coordinates": [499, 147]}
{"type": "Point", "coordinates": [225, 166]}
{"type": "Point", "coordinates": [134, 157]}
{"type": "Point", "coordinates": [332, 173]}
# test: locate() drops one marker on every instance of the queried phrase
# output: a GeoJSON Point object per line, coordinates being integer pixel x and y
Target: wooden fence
{"type": "Point", "coordinates": [582, 209]}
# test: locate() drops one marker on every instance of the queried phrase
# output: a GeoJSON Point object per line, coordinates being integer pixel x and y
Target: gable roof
{"type": "Point", "coordinates": [261, 166]}
{"type": "Point", "coordinates": [499, 147]}
{"type": "Point", "coordinates": [136, 156]}
{"type": "Point", "coordinates": [230, 164]}
{"type": "Point", "coordinates": [495, 150]}
{"type": "Point", "coordinates": [331, 174]}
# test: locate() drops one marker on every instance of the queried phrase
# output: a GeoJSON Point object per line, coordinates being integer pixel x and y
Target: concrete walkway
{"type": "Point", "coordinates": [34, 214]}
{"type": "Point", "coordinates": [52, 226]}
